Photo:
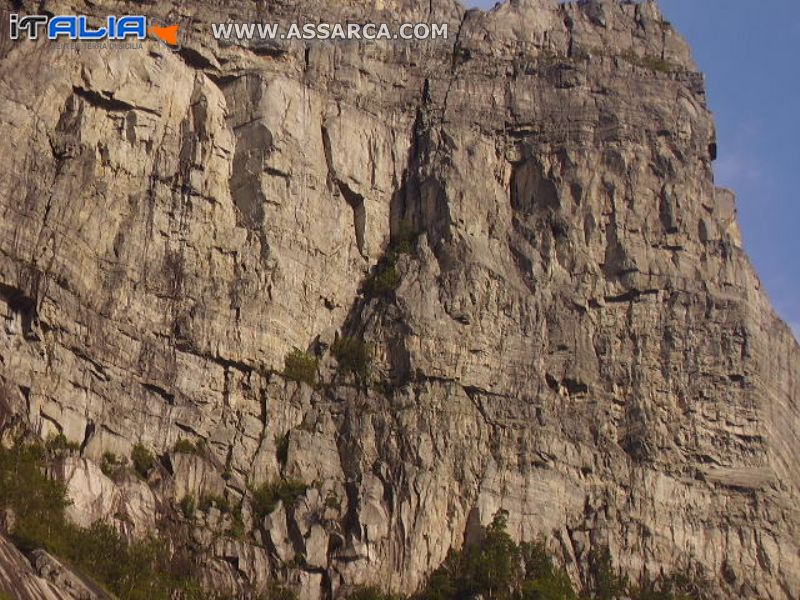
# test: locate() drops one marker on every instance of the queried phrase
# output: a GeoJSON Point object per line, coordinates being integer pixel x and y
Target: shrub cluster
{"type": "Point", "coordinates": [353, 356]}
{"type": "Point", "coordinates": [184, 446]}
{"type": "Point", "coordinates": [187, 506]}
{"type": "Point", "coordinates": [333, 501]}
{"type": "Point", "coordinates": [500, 569]}
{"type": "Point", "coordinates": [113, 466]}
{"type": "Point", "coordinates": [649, 61]}
{"type": "Point", "coordinates": [143, 460]}
{"type": "Point", "coordinates": [267, 495]}
{"type": "Point", "coordinates": [60, 445]}
{"type": "Point", "coordinates": [385, 278]}
{"type": "Point", "coordinates": [300, 366]}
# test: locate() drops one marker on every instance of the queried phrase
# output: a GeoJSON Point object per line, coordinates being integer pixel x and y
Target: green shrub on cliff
{"type": "Point", "coordinates": [353, 356]}
{"type": "Point", "coordinates": [143, 460]}
{"type": "Point", "coordinates": [187, 506]}
{"type": "Point", "coordinates": [113, 466]}
{"type": "Point", "coordinates": [384, 280]}
{"type": "Point", "coordinates": [267, 495]}
{"type": "Point", "coordinates": [59, 445]}
{"type": "Point", "coordinates": [649, 61]}
{"type": "Point", "coordinates": [301, 367]}
{"type": "Point", "coordinates": [184, 446]}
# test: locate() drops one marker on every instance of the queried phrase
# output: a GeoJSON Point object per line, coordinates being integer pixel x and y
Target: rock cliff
{"type": "Point", "coordinates": [566, 327]}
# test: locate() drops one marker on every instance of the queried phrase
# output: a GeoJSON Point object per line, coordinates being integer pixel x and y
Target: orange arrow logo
{"type": "Point", "coordinates": [168, 35]}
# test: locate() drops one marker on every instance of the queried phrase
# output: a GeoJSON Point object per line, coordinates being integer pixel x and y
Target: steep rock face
{"type": "Point", "coordinates": [577, 336]}
{"type": "Point", "coordinates": [41, 577]}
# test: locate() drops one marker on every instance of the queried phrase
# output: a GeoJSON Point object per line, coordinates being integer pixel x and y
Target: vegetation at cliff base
{"type": "Point", "coordinates": [138, 570]}
{"type": "Point", "coordinates": [35, 500]}
{"type": "Point", "coordinates": [497, 568]}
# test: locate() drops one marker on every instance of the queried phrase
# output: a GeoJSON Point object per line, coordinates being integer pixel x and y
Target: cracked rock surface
{"type": "Point", "coordinates": [577, 336]}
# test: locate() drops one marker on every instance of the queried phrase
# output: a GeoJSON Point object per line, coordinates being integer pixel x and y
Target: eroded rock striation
{"type": "Point", "coordinates": [573, 332]}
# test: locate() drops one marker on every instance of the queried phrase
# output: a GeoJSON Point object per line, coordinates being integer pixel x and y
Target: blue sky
{"type": "Point", "coordinates": [747, 49]}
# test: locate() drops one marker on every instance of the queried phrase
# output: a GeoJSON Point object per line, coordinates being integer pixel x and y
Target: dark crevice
{"type": "Point", "coordinates": [222, 81]}
{"type": "Point", "coordinates": [574, 387]}
{"type": "Point", "coordinates": [108, 102]}
{"type": "Point", "coordinates": [188, 429]}
{"type": "Point", "coordinates": [455, 61]}
{"type": "Point", "coordinates": [168, 397]}
{"type": "Point", "coordinates": [353, 199]}
{"type": "Point", "coordinates": [87, 434]}
{"type": "Point", "coordinates": [630, 296]}
{"type": "Point", "coordinates": [20, 303]}
{"type": "Point", "coordinates": [270, 49]}
{"type": "Point", "coordinates": [98, 370]}
{"type": "Point", "coordinates": [52, 421]}
{"type": "Point", "coordinates": [194, 59]}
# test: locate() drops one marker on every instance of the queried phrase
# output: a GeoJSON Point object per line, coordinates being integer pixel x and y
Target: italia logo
{"type": "Point", "coordinates": [168, 34]}
{"type": "Point", "coordinates": [77, 28]}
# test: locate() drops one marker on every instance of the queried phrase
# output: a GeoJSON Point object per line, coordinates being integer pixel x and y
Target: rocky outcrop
{"type": "Point", "coordinates": [41, 578]}
{"type": "Point", "coordinates": [576, 335]}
